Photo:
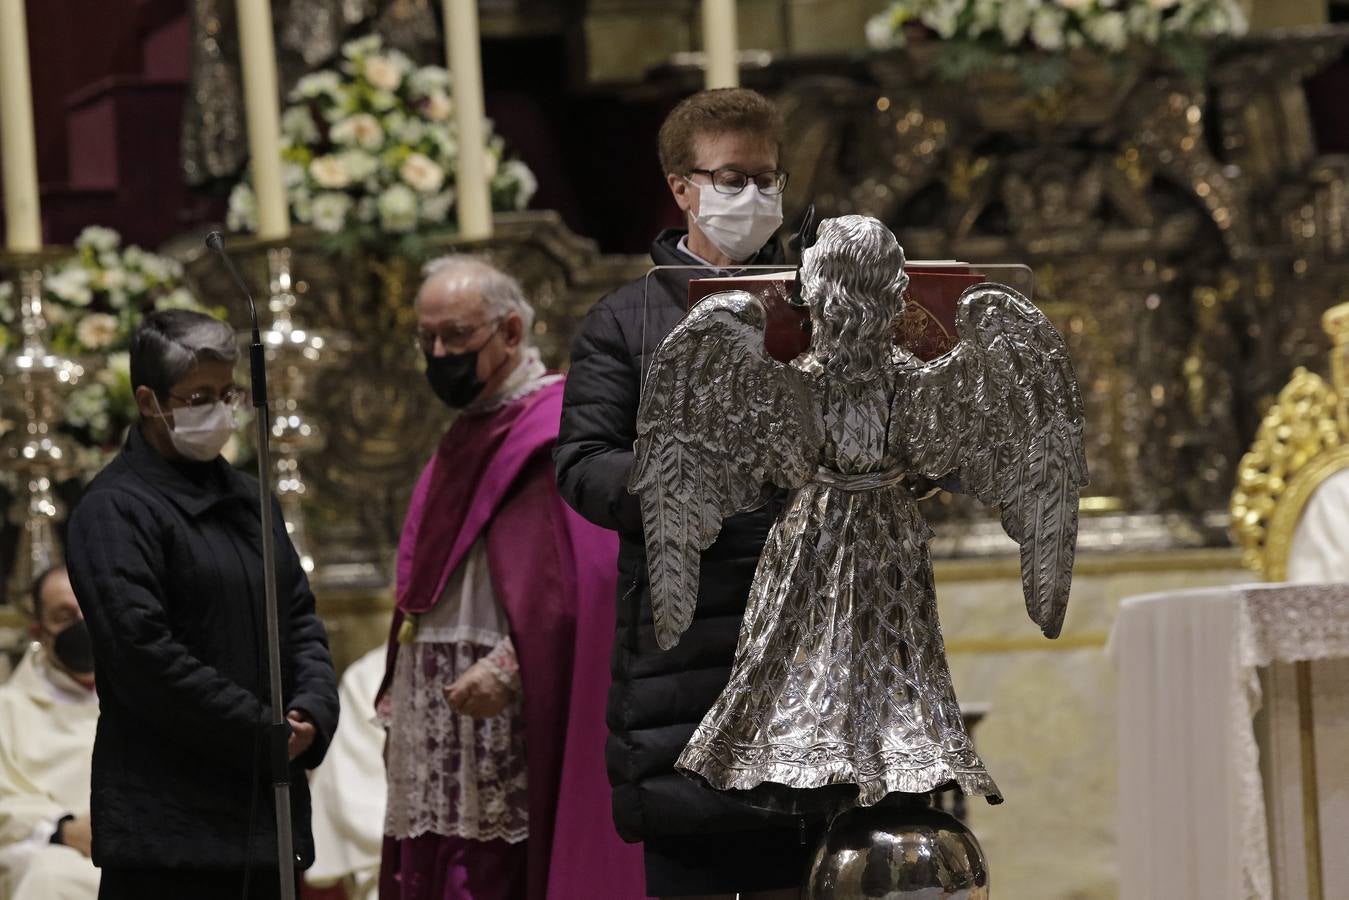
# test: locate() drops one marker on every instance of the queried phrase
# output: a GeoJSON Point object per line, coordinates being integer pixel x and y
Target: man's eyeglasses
{"type": "Point", "coordinates": [453, 338]}
{"type": "Point", "coordinates": [733, 181]}
{"type": "Point", "coordinates": [230, 397]}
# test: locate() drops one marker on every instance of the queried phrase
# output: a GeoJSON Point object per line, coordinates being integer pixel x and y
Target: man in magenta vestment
{"type": "Point", "coordinates": [497, 672]}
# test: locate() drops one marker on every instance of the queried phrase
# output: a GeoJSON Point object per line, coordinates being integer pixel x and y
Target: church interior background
{"type": "Point", "coordinates": [1185, 215]}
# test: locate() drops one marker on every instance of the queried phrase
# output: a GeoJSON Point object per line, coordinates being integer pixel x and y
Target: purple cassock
{"type": "Point", "coordinates": [554, 575]}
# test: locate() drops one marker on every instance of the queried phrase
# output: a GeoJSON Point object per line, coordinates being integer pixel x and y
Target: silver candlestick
{"type": "Point", "coordinates": [295, 356]}
{"type": "Point", "coordinates": [36, 456]}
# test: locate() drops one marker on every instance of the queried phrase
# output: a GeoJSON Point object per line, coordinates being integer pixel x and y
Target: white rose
{"type": "Point", "coordinates": [419, 171]}
{"type": "Point", "coordinates": [943, 17]}
{"type": "Point", "coordinates": [515, 172]}
{"type": "Point", "coordinates": [411, 132]}
{"type": "Point", "coordinates": [438, 107]}
{"type": "Point", "coordinates": [1075, 5]}
{"type": "Point", "coordinates": [362, 46]}
{"type": "Point", "coordinates": [1108, 30]}
{"type": "Point", "coordinates": [361, 130]}
{"type": "Point", "coordinates": [398, 209]}
{"type": "Point", "coordinates": [985, 17]}
{"type": "Point", "coordinates": [96, 330]}
{"type": "Point", "coordinates": [71, 285]}
{"type": "Point", "coordinates": [1046, 28]}
{"type": "Point", "coordinates": [110, 280]}
{"type": "Point", "coordinates": [428, 80]}
{"type": "Point", "coordinates": [297, 123]}
{"type": "Point", "coordinates": [328, 171]}
{"type": "Point", "coordinates": [119, 364]}
{"type": "Point", "coordinates": [292, 174]}
{"type": "Point", "coordinates": [880, 34]}
{"type": "Point", "coordinates": [243, 209]}
{"type": "Point", "coordinates": [317, 84]}
{"type": "Point", "coordinates": [99, 239]}
{"type": "Point", "coordinates": [383, 73]}
{"type": "Point", "coordinates": [1013, 20]}
{"type": "Point", "coordinates": [436, 209]}
{"type": "Point", "coordinates": [300, 203]}
{"type": "Point", "coordinates": [1144, 23]}
{"type": "Point", "coordinates": [329, 211]}
{"type": "Point", "coordinates": [359, 164]}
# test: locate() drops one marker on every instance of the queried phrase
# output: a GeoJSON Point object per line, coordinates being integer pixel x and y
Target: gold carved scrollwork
{"type": "Point", "coordinates": [1300, 443]}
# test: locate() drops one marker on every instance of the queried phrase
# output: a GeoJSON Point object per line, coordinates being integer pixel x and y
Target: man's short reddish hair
{"type": "Point", "coordinates": [715, 112]}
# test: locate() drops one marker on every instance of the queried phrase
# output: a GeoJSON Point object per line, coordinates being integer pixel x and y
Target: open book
{"type": "Point", "coordinates": [926, 329]}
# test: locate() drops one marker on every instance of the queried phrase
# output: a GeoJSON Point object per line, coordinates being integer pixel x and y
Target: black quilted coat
{"type": "Point", "coordinates": [166, 561]}
{"type": "Point", "coordinates": [657, 697]}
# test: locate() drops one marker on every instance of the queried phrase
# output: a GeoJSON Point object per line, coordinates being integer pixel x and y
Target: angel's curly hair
{"type": "Point", "coordinates": [853, 281]}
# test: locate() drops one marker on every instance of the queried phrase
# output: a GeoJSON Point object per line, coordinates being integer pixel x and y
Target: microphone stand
{"type": "Point", "coordinates": [278, 730]}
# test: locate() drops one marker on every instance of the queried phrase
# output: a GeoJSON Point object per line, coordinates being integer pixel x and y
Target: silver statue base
{"type": "Point", "coordinates": [898, 851]}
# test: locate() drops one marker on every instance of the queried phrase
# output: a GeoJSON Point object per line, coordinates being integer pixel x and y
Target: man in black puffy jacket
{"type": "Point", "coordinates": [720, 152]}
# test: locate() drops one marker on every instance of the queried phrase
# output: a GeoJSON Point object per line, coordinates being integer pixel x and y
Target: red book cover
{"type": "Point", "coordinates": [927, 329]}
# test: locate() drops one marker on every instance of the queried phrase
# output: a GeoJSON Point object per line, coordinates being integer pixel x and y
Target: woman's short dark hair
{"type": "Point", "coordinates": [715, 112]}
{"type": "Point", "coordinates": [168, 344]}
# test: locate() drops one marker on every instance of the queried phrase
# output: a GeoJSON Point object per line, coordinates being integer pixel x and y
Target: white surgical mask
{"type": "Point", "coordinates": [738, 224]}
{"type": "Point", "coordinates": [200, 432]}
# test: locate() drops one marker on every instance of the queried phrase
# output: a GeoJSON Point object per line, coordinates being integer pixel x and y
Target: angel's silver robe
{"type": "Point", "coordinates": [840, 676]}
{"type": "Point", "coordinates": [839, 692]}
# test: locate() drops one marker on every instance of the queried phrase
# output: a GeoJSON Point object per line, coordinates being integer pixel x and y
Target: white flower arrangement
{"type": "Point", "coordinates": [982, 33]}
{"type": "Point", "coordinates": [370, 150]}
{"type": "Point", "coordinates": [93, 301]}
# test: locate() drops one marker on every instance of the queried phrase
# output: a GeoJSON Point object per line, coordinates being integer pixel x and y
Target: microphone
{"type": "Point", "coordinates": [216, 243]}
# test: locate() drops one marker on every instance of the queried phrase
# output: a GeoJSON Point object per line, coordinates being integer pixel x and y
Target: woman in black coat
{"type": "Point", "coordinates": [165, 554]}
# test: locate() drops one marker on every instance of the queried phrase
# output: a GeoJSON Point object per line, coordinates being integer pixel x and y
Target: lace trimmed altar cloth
{"type": "Point", "coordinates": [1192, 805]}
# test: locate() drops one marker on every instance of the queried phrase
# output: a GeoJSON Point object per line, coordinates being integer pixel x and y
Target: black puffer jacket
{"type": "Point", "coordinates": [166, 561]}
{"type": "Point", "coordinates": [658, 697]}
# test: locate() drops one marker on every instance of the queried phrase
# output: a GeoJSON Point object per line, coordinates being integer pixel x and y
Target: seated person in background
{"type": "Point", "coordinates": [48, 712]}
{"type": "Point", "coordinates": [1320, 548]}
{"type": "Point", "coordinates": [348, 789]}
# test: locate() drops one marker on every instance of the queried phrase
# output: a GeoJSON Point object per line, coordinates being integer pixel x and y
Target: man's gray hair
{"type": "Point", "coordinates": [169, 343]}
{"type": "Point", "coordinates": [501, 293]}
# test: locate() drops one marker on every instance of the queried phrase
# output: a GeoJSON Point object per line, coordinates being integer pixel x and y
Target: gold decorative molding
{"type": "Point", "coordinates": [1301, 442]}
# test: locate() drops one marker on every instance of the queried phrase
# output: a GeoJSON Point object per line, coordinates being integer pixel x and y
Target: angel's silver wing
{"type": "Point", "coordinates": [1003, 409]}
{"type": "Point", "coordinates": [720, 420]}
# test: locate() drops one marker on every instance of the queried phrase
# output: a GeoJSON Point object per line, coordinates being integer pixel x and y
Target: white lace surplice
{"type": "Point", "coordinates": [451, 774]}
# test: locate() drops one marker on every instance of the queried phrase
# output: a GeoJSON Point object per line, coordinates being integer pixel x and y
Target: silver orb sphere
{"type": "Point", "coordinates": [904, 852]}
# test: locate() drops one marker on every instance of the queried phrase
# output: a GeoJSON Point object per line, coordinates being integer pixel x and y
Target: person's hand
{"type": "Point", "coordinates": [301, 733]}
{"type": "Point", "coordinates": [77, 834]}
{"type": "Point", "coordinates": [478, 693]}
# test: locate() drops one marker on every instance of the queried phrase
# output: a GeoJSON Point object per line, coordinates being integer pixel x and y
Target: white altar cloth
{"type": "Point", "coordinates": [1192, 819]}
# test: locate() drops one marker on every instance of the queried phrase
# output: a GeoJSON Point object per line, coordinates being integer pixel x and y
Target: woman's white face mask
{"type": "Point", "coordinates": [200, 432]}
{"type": "Point", "coordinates": [737, 224]}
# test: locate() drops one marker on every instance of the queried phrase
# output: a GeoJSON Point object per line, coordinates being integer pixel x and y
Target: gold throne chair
{"type": "Point", "coordinates": [1301, 447]}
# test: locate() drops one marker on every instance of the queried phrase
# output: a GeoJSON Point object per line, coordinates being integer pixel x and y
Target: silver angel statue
{"type": "Point", "coordinates": [840, 693]}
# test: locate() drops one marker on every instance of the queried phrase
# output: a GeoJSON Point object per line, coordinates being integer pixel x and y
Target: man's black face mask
{"type": "Point", "coordinates": [74, 648]}
{"type": "Point", "coordinates": [454, 378]}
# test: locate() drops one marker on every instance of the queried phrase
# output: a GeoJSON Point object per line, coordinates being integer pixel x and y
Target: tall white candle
{"type": "Point", "coordinates": [258, 53]}
{"type": "Point", "coordinates": [18, 147]}
{"type": "Point", "coordinates": [720, 44]}
{"type": "Point", "coordinates": [472, 188]}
